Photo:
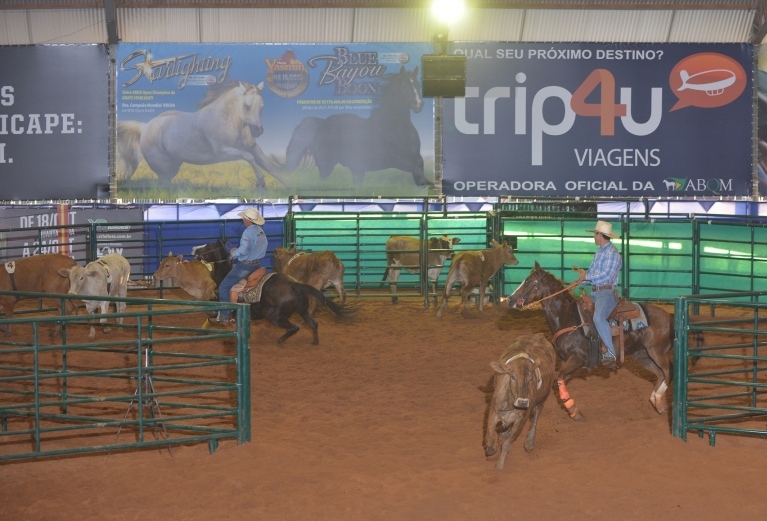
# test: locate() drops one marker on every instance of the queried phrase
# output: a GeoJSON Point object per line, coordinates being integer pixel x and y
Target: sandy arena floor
{"type": "Point", "coordinates": [384, 421]}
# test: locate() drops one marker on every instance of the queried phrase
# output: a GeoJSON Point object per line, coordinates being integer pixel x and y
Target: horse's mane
{"type": "Point", "coordinates": [390, 87]}
{"type": "Point", "coordinates": [217, 90]}
{"type": "Point", "coordinates": [558, 283]}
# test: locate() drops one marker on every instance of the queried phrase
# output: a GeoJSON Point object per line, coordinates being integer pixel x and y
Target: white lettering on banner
{"type": "Point", "coordinates": [574, 104]}
{"type": "Point", "coordinates": [505, 186]}
{"type": "Point", "coordinates": [595, 186]}
{"type": "Point", "coordinates": [617, 157]}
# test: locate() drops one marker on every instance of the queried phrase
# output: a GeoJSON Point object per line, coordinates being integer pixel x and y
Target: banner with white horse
{"type": "Point", "coordinates": [256, 121]}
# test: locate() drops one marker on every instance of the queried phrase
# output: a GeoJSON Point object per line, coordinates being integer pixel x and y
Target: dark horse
{"type": "Point", "coordinates": [386, 139]}
{"type": "Point", "coordinates": [651, 346]}
{"type": "Point", "coordinates": [217, 255]}
{"type": "Point", "coordinates": [281, 296]}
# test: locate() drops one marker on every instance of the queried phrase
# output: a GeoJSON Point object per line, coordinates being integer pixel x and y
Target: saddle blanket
{"type": "Point", "coordinates": [633, 324]}
{"type": "Point", "coordinates": [251, 294]}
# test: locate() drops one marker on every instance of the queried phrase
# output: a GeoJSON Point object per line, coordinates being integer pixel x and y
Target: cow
{"type": "Point", "coordinates": [319, 269]}
{"type": "Point", "coordinates": [38, 274]}
{"type": "Point", "coordinates": [194, 277]}
{"type": "Point", "coordinates": [104, 277]}
{"type": "Point", "coordinates": [524, 376]}
{"type": "Point", "coordinates": [475, 268]}
{"type": "Point", "coordinates": [398, 256]}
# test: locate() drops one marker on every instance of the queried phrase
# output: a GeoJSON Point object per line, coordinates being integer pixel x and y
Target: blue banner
{"type": "Point", "coordinates": [601, 119]}
{"type": "Point", "coordinates": [54, 122]}
{"type": "Point", "coordinates": [199, 121]}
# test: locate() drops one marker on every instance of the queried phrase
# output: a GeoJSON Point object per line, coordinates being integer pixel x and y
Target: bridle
{"type": "Point", "coordinates": [535, 283]}
{"type": "Point", "coordinates": [563, 290]}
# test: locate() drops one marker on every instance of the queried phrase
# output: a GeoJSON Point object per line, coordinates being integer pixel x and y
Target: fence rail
{"type": "Point", "coordinates": [149, 383]}
{"type": "Point", "coordinates": [720, 380]}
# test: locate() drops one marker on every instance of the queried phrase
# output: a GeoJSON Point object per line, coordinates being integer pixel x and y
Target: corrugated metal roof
{"type": "Point", "coordinates": [563, 20]}
{"type": "Point", "coordinates": [488, 4]}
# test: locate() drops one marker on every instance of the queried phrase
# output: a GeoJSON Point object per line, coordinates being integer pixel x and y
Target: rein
{"type": "Point", "coordinates": [567, 288]}
{"type": "Point", "coordinates": [566, 330]}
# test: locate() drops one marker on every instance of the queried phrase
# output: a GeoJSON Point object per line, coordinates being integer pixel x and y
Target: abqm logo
{"type": "Point", "coordinates": [700, 186]}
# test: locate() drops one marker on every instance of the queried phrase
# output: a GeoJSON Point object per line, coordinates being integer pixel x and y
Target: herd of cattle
{"type": "Point", "coordinates": [524, 374]}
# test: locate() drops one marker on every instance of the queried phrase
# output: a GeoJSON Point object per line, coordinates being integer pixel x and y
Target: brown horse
{"type": "Point", "coordinates": [651, 346]}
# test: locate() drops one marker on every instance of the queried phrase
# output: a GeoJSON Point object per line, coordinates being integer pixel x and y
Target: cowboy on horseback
{"type": "Point", "coordinates": [247, 257]}
{"type": "Point", "coordinates": [602, 276]}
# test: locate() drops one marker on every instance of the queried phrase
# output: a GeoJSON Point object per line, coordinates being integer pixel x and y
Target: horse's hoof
{"type": "Point", "coordinates": [489, 451]}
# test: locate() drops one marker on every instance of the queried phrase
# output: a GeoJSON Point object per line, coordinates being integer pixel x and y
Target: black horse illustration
{"type": "Point", "coordinates": [386, 139]}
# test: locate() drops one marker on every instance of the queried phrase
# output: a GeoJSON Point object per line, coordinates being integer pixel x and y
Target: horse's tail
{"type": "Point", "coordinates": [128, 149]}
{"type": "Point", "coordinates": [340, 311]}
{"type": "Point", "coordinates": [299, 151]}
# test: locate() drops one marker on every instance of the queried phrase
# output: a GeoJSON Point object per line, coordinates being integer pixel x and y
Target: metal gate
{"type": "Point", "coordinates": [149, 383]}
{"type": "Point", "coordinates": [721, 384]}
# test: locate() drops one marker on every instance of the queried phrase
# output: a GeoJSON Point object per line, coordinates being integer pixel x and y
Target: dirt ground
{"type": "Point", "coordinates": [384, 420]}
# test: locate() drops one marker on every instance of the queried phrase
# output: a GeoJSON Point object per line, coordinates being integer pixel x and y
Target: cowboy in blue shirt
{"type": "Point", "coordinates": [602, 276]}
{"type": "Point", "coordinates": [246, 259]}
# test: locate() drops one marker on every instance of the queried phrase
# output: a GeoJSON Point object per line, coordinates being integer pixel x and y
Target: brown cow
{"type": "Point", "coordinates": [194, 277]}
{"type": "Point", "coordinates": [398, 249]}
{"type": "Point", "coordinates": [475, 268]}
{"type": "Point", "coordinates": [523, 380]}
{"type": "Point", "coordinates": [320, 269]}
{"type": "Point", "coordinates": [39, 273]}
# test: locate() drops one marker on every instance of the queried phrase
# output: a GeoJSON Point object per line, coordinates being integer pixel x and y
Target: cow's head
{"type": "Point", "coordinates": [444, 243]}
{"type": "Point", "coordinates": [516, 382]}
{"type": "Point", "coordinates": [168, 267]}
{"type": "Point", "coordinates": [281, 256]}
{"type": "Point", "coordinates": [507, 253]}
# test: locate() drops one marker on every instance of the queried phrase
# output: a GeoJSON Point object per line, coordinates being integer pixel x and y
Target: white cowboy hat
{"type": "Point", "coordinates": [252, 215]}
{"type": "Point", "coordinates": [604, 228]}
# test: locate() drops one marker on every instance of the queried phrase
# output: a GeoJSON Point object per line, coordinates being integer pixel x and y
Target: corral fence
{"type": "Point", "coordinates": [720, 369]}
{"type": "Point", "coordinates": [663, 257]}
{"type": "Point", "coordinates": [148, 383]}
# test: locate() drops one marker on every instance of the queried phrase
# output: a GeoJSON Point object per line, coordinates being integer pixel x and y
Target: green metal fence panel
{"type": "Point", "coordinates": [359, 241]}
{"type": "Point", "coordinates": [720, 384]}
{"type": "Point", "coordinates": [732, 257]}
{"type": "Point", "coordinates": [658, 259]}
{"type": "Point", "coordinates": [658, 256]}
{"type": "Point", "coordinates": [150, 383]}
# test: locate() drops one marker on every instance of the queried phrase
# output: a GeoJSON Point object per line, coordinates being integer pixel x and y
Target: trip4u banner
{"type": "Point", "coordinates": [200, 121]}
{"type": "Point", "coordinates": [601, 119]}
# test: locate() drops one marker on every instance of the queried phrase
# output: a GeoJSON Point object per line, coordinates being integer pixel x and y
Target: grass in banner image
{"type": "Point", "coordinates": [384, 421]}
{"type": "Point", "coordinates": [191, 154]}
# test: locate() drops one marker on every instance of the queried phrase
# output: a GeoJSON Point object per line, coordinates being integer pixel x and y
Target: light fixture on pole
{"type": "Point", "coordinates": [444, 75]}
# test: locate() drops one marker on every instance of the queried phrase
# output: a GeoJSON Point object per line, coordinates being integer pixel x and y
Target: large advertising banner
{"type": "Point", "coordinates": [601, 119]}
{"type": "Point", "coordinates": [54, 122]}
{"type": "Point", "coordinates": [761, 98]}
{"type": "Point", "coordinates": [202, 121]}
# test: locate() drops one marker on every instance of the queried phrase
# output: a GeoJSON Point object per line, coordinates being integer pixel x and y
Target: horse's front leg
{"type": "Point", "coordinates": [261, 160]}
{"type": "Point", "coordinates": [572, 364]}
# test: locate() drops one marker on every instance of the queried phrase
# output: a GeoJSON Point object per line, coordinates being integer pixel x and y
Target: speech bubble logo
{"type": "Point", "coordinates": [707, 80]}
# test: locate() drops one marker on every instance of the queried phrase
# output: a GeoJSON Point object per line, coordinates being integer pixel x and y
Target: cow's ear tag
{"type": "Point", "coordinates": [538, 379]}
